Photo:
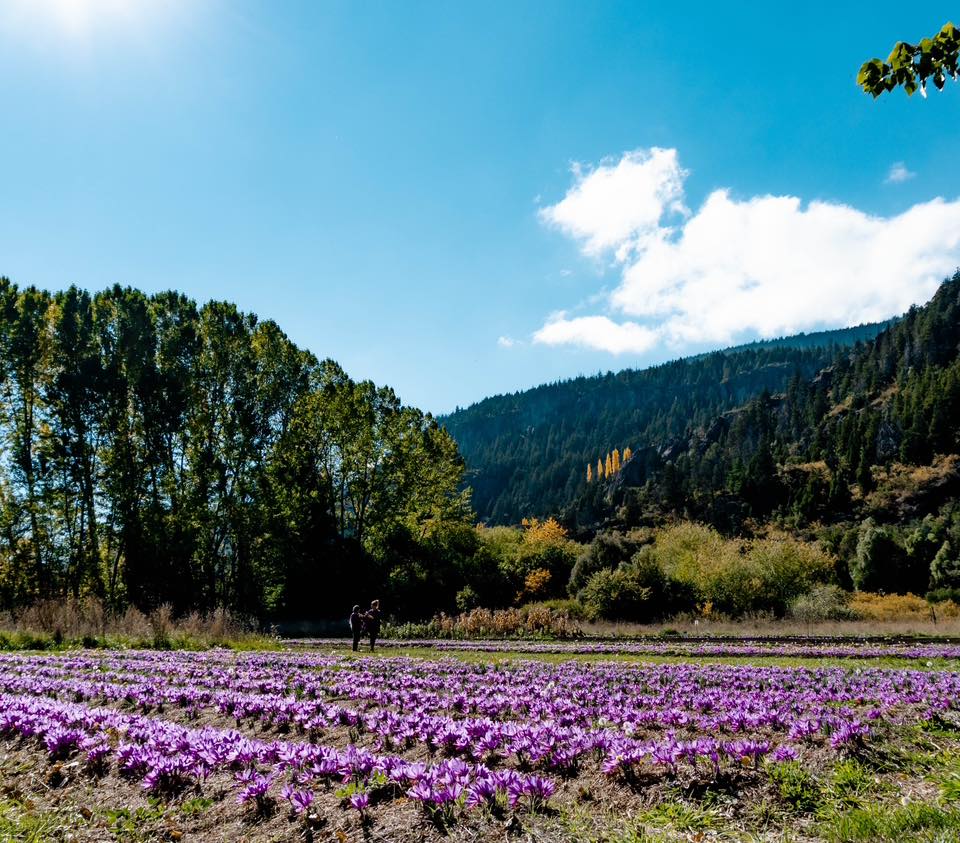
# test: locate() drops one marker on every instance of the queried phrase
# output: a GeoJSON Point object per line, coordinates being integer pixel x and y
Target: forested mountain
{"type": "Point", "coordinates": [527, 453]}
{"type": "Point", "coordinates": [865, 456]}
{"type": "Point", "coordinates": [156, 451]}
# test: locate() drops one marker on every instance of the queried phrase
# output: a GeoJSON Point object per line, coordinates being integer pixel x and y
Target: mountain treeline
{"type": "Point", "coordinates": [155, 451]}
{"type": "Point", "coordinates": [864, 456]}
{"type": "Point", "coordinates": [526, 453]}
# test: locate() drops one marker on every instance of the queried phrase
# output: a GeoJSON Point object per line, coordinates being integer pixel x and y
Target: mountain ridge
{"type": "Point", "coordinates": [524, 449]}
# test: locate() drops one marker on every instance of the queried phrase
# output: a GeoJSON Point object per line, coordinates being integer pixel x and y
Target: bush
{"type": "Point", "coordinates": [567, 607]}
{"type": "Point", "coordinates": [606, 552]}
{"type": "Point", "coordinates": [617, 595]}
{"type": "Point", "coordinates": [516, 554]}
{"type": "Point", "coordinates": [822, 603]}
{"type": "Point", "coordinates": [736, 578]}
{"type": "Point", "coordinates": [467, 599]}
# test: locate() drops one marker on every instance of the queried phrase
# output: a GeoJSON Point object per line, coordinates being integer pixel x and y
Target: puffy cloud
{"type": "Point", "coordinates": [766, 265]}
{"type": "Point", "coordinates": [506, 342]}
{"type": "Point", "coordinates": [899, 173]}
{"type": "Point", "coordinates": [597, 332]}
{"type": "Point", "coordinates": [619, 205]}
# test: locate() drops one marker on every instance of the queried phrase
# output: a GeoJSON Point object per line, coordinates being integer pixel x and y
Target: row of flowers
{"type": "Point", "coordinates": [747, 648]}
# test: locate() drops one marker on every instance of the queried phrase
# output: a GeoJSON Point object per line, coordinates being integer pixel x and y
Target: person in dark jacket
{"type": "Point", "coordinates": [356, 627]}
{"type": "Point", "coordinates": [372, 623]}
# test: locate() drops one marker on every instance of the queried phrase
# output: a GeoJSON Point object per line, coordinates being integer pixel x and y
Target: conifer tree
{"type": "Point", "coordinates": [608, 465]}
{"type": "Point", "coordinates": [627, 453]}
{"type": "Point", "coordinates": [599, 469]}
{"type": "Point", "coordinates": [616, 460]}
{"type": "Point", "coordinates": [589, 473]}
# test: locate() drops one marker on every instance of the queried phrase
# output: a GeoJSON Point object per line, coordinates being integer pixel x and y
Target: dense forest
{"type": "Point", "coordinates": [863, 457]}
{"type": "Point", "coordinates": [156, 451]}
{"type": "Point", "coordinates": [527, 453]}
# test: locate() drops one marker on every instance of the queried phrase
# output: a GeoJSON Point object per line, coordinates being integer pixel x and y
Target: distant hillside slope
{"type": "Point", "coordinates": [864, 456]}
{"type": "Point", "coordinates": [527, 453]}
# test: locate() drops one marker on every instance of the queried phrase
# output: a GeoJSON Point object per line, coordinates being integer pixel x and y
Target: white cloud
{"type": "Point", "coordinates": [620, 205]}
{"type": "Point", "coordinates": [506, 342]}
{"type": "Point", "coordinates": [597, 332]}
{"type": "Point", "coordinates": [899, 173]}
{"type": "Point", "coordinates": [766, 265]}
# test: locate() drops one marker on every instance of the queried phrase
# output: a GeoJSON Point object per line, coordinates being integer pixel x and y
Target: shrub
{"type": "Point", "coordinates": [467, 599]}
{"type": "Point", "coordinates": [536, 585]}
{"type": "Point", "coordinates": [539, 545]}
{"type": "Point", "coordinates": [822, 603]}
{"type": "Point", "coordinates": [567, 607]}
{"type": "Point", "coordinates": [735, 578]}
{"type": "Point", "coordinates": [616, 595]}
{"type": "Point", "coordinates": [943, 595]}
{"type": "Point", "coordinates": [606, 552]}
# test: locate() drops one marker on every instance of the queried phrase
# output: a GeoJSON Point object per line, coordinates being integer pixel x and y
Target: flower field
{"type": "Point", "coordinates": [295, 744]}
{"type": "Point", "coordinates": [740, 648]}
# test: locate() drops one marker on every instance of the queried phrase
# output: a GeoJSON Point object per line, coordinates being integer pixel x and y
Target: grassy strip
{"type": "Point", "coordinates": [15, 641]}
{"type": "Point", "coordinates": [474, 656]}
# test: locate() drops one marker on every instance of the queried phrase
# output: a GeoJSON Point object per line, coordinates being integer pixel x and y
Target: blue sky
{"type": "Point", "coordinates": [395, 183]}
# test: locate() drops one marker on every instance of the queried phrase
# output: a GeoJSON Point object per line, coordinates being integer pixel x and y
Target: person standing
{"type": "Point", "coordinates": [372, 622]}
{"type": "Point", "coordinates": [356, 627]}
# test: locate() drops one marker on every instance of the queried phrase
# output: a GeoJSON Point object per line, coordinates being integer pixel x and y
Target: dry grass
{"type": "Point", "coordinates": [88, 620]}
{"type": "Point", "coordinates": [902, 608]}
{"type": "Point", "coordinates": [535, 620]}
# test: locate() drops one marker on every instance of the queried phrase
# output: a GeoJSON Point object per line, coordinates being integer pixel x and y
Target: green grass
{"type": "Point", "coordinates": [916, 821]}
{"type": "Point", "coordinates": [796, 787]}
{"type": "Point", "coordinates": [474, 656]}
{"type": "Point", "coordinates": [852, 783]}
{"type": "Point", "coordinates": [131, 824]}
{"type": "Point", "coordinates": [680, 816]}
{"type": "Point", "coordinates": [195, 806]}
{"type": "Point", "coordinates": [19, 823]}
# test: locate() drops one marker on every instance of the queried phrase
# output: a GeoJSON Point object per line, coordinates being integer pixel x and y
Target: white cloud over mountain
{"type": "Point", "coordinates": [764, 265]}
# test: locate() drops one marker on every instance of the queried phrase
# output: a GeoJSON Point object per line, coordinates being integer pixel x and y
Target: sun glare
{"type": "Point", "coordinates": [74, 19]}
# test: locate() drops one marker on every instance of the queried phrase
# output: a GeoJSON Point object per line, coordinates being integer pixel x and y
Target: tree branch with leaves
{"type": "Point", "coordinates": [910, 66]}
